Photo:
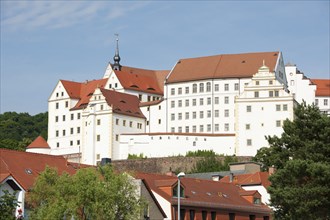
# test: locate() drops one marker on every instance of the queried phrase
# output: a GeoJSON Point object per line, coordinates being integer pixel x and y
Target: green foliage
{"type": "Point", "coordinates": [200, 153]}
{"type": "Point", "coordinates": [8, 203]}
{"type": "Point", "coordinates": [18, 130]}
{"type": "Point", "coordinates": [213, 163]}
{"type": "Point", "coordinates": [89, 194]}
{"type": "Point", "coordinates": [300, 189]}
{"type": "Point", "coordinates": [135, 156]}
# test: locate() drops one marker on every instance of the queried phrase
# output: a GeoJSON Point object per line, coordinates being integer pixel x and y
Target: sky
{"type": "Point", "coordinates": [43, 42]}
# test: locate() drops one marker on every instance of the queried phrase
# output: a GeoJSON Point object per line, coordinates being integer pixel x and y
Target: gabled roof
{"type": "Point", "coordinates": [39, 142]}
{"type": "Point", "coordinates": [151, 81]}
{"type": "Point", "coordinates": [203, 193]}
{"type": "Point", "coordinates": [222, 66]}
{"type": "Point", "coordinates": [322, 87]}
{"type": "Point", "coordinates": [25, 167]}
{"type": "Point", "coordinates": [123, 103]}
{"type": "Point", "coordinates": [82, 91]}
{"type": "Point", "coordinates": [258, 178]}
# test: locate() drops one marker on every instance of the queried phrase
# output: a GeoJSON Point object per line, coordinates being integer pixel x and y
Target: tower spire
{"type": "Point", "coordinates": [116, 58]}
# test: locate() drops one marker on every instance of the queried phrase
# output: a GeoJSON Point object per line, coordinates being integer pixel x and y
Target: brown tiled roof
{"type": "Point", "coordinates": [203, 193]}
{"type": "Point", "coordinates": [3, 176]}
{"type": "Point", "coordinates": [82, 91]}
{"type": "Point", "coordinates": [222, 66]}
{"type": "Point", "coordinates": [25, 167]}
{"type": "Point", "coordinates": [322, 87]}
{"type": "Point", "coordinates": [123, 103]}
{"type": "Point", "coordinates": [39, 142]}
{"type": "Point", "coordinates": [156, 102]}
{"type": "Point", "coordinates": [151, 81]}
{"type": "Point", "coordinates": [258, 178]}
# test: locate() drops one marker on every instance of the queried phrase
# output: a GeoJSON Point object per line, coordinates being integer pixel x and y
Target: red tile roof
{"type": "Point", "coordinates": [203, 193]}
{"type": "Point", "coordinates": [258, 178]}
{"type": "Point", "coordinates": [322, 87]}
{"type": "Point", "coordinates": [82, 91]}
{"type": "Point", "coordinates": [151, 81]}
{"type": "Point", "coordinates": [222, 66]}
{"type": "Point", "coordinates": [25, 167]}
{"type": "Point", "coordinates": [123, 103]}
{"type": "Point", "coordinates": [39, 142]}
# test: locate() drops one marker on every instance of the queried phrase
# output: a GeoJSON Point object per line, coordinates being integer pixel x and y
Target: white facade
{"type": "Point", "coordinates": [323, 102]}
{"type": "Point", "coordinates": [170, 144]}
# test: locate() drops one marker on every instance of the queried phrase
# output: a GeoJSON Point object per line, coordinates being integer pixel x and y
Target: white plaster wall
{"type": "Point", "coordinates": [321, 104]}
{"type": "Point", "coordinates": [20, 195]}
{"type": "Point", "coordinates": [164, 145]}
{"type": "Point", "coordinates": [166, 205]}
{"type": "Point", "coordinates": [155, 116]}
{"type": "Point", "coordinates": [39, 150]}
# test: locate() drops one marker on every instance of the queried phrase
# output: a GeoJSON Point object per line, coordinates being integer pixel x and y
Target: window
{"type": "Point", "coordinates": [98, 122]}
{"type": "Point", "coordinates": [201, 87]}
{"type": "Point", "coordinates": [208, 127]}
{"type": "Point", "coordinates": [78, 116]}
{"type": "Point", "coordinates": [226, 87]}
{"type": "Point", "coordinates": [66, 104]}
{"type": "Point", "coordinates": [271, 93]}
{"type": "Point", "coordinates": [201, 101]}
{"type": "Point", "coordinates": [56, 133]}
{"type": "Point", "coordinates": [194, 88]}
{"type": "Point", "coordinates": [216, 87]}
{"type": "Point", "coordinates": [187, 90]}
{"type": "Point", "coordinates": [236, 87]}
{"type": "Point", "coordinates": [191, 214]}
{"type": "Point", "coordinates": [172, 129]}
{"type": "Point", "coordinates": [101, 107]}
{"type": "Point", "coordinates": [187, 102]}
{"type": "Point", "coordinates": [209, 113]}
{"type": "Point", "coordinates": [285, 107]}
{"type": "Point", "coordinates": [325, 102]}
{"type": "Point", "coordinates": [247, 127]}
{"type": "Point", "coordinates": [98, 137]}
{"type": "Point", "coordinates": [216, 113]}
{"type": "Point", "coordinates": [78, 130]}
{"type": "Point", "coordinates": [204, 215]}
{"type": "Point", "coordinates": [278, 123]}
{"type": "Point", "coordinates": [257, 83]}
{"type": "Point", "coordinates": [57, 94]}
{"type": "Point", "coordinates": [71, 143]}
{"type": "Point", "coordinates": [216, 100]}
{"type": "Point", "coordinates": [57, 144]}
{"type": "Point", "coordinates": [78, 142]}
{"type": "Point", "coordinates": [149, 98]}
{"type": "Point", "coordinates": [249, 142]}
{"type": "Point", "coordinates": [179, 91]}
{"type": "Point", "coordinates": [57, 105]}
{"type": "Point", "coordinates": [130, 124]}
{"type": "Point", "coordinates": [179, 103]}
{"type": "Point", "coordinates": [226, 128]}
{"type": "Point", "coordinates": [194, 102]}
{"type": "Point", "coordinates": [180, 129]}
{"type": "Point", "coordinates": [98, 156]}
{"type": "Point", "coordinates": [278, 107]}
{"type": "Point", "coordinates": [172, 91]}
{"type": "Point", "coordinates": [172, 117]}
{"type": "Point", "coordinates": [56, 118]}
{"type": "Point", "coordinates": [201, 114]}
{"type": "Point", "coordinates": [175, 192]}
{"type": "Point", "coordinates": [71, 130]}
{"type": "Point", "coordinates": [159, 107]}
{"type": "Point", "coordinates": [117, 121]}
{"type": "Point", "coordinates": [226, 113]}
{"type": "Point", "coordinates": [256, 201]}
{"type": "Point", "coordinates": [276, 93]}
{"type": "Point", "coordinates": [209, 101]}
{"type": "Point", "coordinates": [231, 216]}
{"type": "Point", "coordinates": [270, 82]}
{"type": "Point", "coordinates": [316, 102]}
{"type": "Point", "coordinates": [208, 87]}
{"type": "Point", "coordinates": [194, 128]}
{"type": "Point", "coordinates": [124, 122]}
{"type": "Point", "coordinates": [248, 108]}
{"type": "Point", "coordinates": [63, 132]}
{"type": "Point", "coordinates": [256, 94]}
{"type": "Point", "coordinates": [63, 117]}
{"type": "Point", "coordinates": [116, 85]}
{"type": "Point", "coordinates": [159, 121]}
{"type": "Point", "coordinates": [179, 116]}
{"type": "Point", "coordinates": [172, 104]}
{"type": "Point", "coordinates": [140, 97]}
{"type": "Point", "coordinates": [201, 128]}
{"type": "Point", "coordinates": [117, 137]}
{"type": "Point", "coordinates": [226, 100]}
{"type": "Point", "coordinates": [216, 127]}
{"type": "Point", "coordinates": [187, 129]}
{"type": "Point", "coordinates": [194, 115]}
{"type": "Point", "coordinates": [213, 215]}
{"type": "Point", "coordinates": [187, 115]}
{"type": "Point", "coordinates": [252, 217]}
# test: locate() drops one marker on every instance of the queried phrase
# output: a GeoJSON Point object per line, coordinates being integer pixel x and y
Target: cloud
{"type": "Point", "coordinates": [31, 15]}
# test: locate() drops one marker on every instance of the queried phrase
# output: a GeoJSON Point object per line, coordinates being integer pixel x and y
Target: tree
{"type": "Point", "coordinates": [8, 203]}
{"type": "Point", "coordinates": [89, 194]}
{"type": "Point", "coordinates": [300, 189]}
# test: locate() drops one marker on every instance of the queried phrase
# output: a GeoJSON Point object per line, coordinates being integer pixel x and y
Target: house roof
{"type": "Point", "coordinates": [151, 81]}
{"type": "Point", "coordinates": [243, 65]}
{"type": "Point", "coordinates": [258, 178]}
{"type": "Point", "coordinates": [39, 142]}
{"type": "Point", "coordinates": [322, 87]}
{"type": "Point", "coordinates": [123, 103]}
{"type": "Point", "coordinates": [25, 167]}
{"type": "Point", "coordinates": [202, 193]}
{"type": "Point", "coordinates": [82, 91]}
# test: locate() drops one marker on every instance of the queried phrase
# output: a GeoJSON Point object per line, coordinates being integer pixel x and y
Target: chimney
{"type": "Point", "coordinates": [271, 170]}
{"type": "Point", "coordinates": [231, 177]}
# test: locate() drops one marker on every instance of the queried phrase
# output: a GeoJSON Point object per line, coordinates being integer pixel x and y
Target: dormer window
{"type": "Point", "coordinates": [175, 191]}
{"type": "Point", "coordinates": [256, 201]}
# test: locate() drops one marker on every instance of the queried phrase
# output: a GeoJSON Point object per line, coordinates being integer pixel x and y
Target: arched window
{"type": "Point", "coordinates": [201, 87]}
{"type": "Point", "coordinates": [208, 87]}
{"type": "Point", "coordinates": [195, 88]}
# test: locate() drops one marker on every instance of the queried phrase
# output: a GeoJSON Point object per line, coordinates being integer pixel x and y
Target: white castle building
{"type": "Point", "coordinates": [225, 103]}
